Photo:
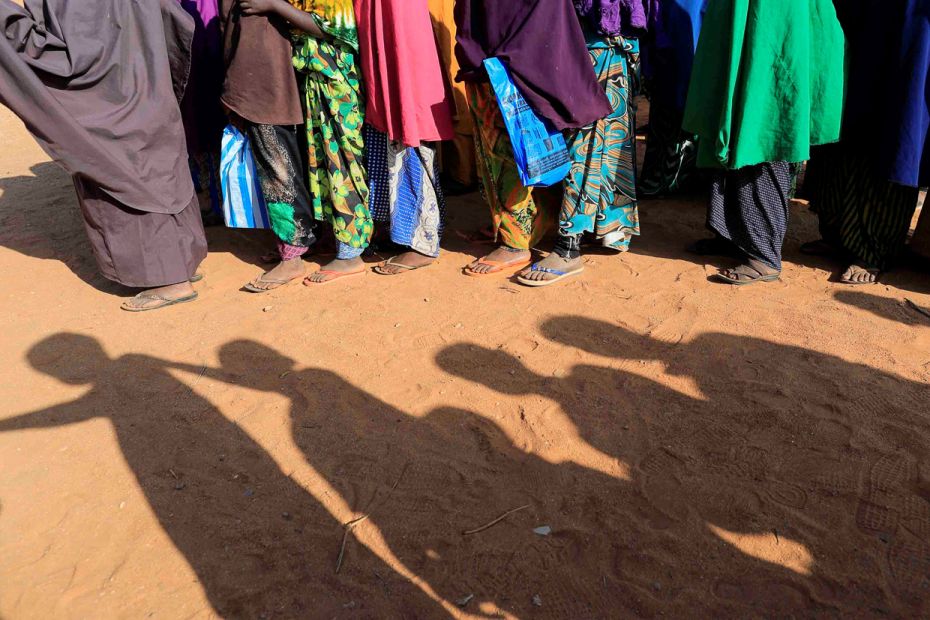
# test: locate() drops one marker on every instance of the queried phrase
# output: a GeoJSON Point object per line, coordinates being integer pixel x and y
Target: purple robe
{"type": "Point", "coordinates": [203, 114]}
{"type": "Point", "coordinates": [541, 43]}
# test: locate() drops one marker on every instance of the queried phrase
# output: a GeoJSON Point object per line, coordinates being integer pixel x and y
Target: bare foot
{"type": "Point", "coordinates": [286, 271]}
{"type": "Point", "coordinates": [160, 297]}
{"type": "Point", "coordinates": [335, 270]}
{"type": "Point", "coordinates": [551, 268]}
{"type": "Point", "coordinates": [408, 261]}
{"type": "Point", "coordinates": [498, 260]}
{"type": "Point", "coordinates": [860, 273]}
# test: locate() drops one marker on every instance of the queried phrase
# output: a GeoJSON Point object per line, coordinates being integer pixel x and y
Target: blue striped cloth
{"type": "Point", "coordinates": [243, 203]}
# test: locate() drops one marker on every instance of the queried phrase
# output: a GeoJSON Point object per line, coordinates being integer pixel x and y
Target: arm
{"type": "Point", "coordinates": [285, 10]}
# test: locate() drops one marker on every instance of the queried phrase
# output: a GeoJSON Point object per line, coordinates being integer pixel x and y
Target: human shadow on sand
{"type": "Point", "coordinates": [763, 478]}
{"type": "Point", "coordinates": [749, 495]}
{"type": "Point", "coordinates": [259, 543]}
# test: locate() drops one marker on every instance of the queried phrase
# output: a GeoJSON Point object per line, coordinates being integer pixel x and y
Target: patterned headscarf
{"type": "Point", "coordinates": [335, 17]}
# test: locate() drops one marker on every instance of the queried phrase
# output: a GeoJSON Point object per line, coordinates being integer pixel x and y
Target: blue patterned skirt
{"type": "Point", "coordinates": [600, 191]}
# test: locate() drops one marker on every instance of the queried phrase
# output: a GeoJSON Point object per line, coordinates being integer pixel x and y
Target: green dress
{"type": "Point", "coordinates": [328, 74]}
{"type": "Point", "coordinates": [768, 82]}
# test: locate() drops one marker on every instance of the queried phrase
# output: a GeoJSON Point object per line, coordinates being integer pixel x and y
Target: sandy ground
{"type": "Point", "coordinates": [694, 450]}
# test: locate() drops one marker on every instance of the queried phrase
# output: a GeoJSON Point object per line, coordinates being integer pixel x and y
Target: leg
{"type": "Point", "coordinates": [749, 208]}
{"type": "Point", "coordinates": [521, 215]}
{"type": "Point", "coordinates": [865, 217]}
{"type": "Point", "coordinates": [405, 191]}
{"type": "Point", "coordinates": [564, 261]}
{"type": "Point", "coordinates": [278, 161]}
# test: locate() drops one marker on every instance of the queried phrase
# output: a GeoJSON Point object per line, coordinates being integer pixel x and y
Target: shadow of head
{"type": "Point", "coordinates": [261, 365]}
{"type": "Point", "coordinates": [74, 359]}
{"type": "Point", "coordinates": [497, 369]}
{"type": "Point", "coordinates": [600, 338]}
{"type": "Point", "coordinates": [905, 312]}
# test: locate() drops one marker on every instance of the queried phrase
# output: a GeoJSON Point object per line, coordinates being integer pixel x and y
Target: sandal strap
{"type": "Point", "coordinates": [554, 272]}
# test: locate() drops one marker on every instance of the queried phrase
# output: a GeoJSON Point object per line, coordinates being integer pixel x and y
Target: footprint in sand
{"type": "Point", "coordinates": [916, 518]}
{"type": "Point", "coordinates": [661, 484]}
{"type": "Point", "coordinates": [880, 511]}
{"type": "Point", "coordinates": [909, 561]}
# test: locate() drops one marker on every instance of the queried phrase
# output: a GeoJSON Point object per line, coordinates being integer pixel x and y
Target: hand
{"type": "Point", "coordinates": [257, 7]}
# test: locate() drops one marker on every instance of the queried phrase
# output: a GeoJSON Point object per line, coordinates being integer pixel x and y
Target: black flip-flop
{"type": "Point", "coordinates": [747, 270]}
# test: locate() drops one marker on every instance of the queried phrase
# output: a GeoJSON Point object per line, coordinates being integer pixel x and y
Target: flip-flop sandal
{"type": "Point", "coordinates": [197, 277]}
{"type": "Point", "coordinates": [163, 302]}
{"type": "Point", "coordinates": [752, 275]}
{"type": "Point", "coordinates": [332, 276]}
{"type": "Point", "coordinates": [560, 275]}
{"type": "Point", "coordinates": [498, 266]}
{"type": "Point", "coordinates": [275, 284]}
{"type": "Point", "coordinates": [379, 269]}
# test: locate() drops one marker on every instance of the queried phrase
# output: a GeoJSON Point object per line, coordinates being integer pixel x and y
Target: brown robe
{"type": "Point", "coordinates": [98, 83]}
{"type": "Point", "coordinates": [261, 85]}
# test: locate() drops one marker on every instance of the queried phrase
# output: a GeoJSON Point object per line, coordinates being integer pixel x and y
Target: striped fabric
{"type": "Point", "coordinates": [861, 212]}
{"type": "Point", "coordinates": [243, 204]}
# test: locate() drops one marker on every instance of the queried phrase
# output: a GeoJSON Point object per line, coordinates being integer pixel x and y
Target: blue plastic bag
{"type": "Point", "coordinates": [538, 148]}
{"type": "Point", "coordinates": [243, 203]}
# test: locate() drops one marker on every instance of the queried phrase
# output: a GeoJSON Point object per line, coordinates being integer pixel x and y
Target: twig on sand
{"type": "Point", "coordinates": [351, 525]}
{"type": "Point", "coordinates": [914, 306]}
{"type": "Point", "coordinates": [495, 521]}
{"type": "Point", "coordinates": [345, 538]}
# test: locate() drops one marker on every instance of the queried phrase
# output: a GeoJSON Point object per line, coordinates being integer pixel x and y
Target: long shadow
{"type": "Point", "coordinates": [425, 481]}
{"type": "Point", "coordinates": [768, 478]}
{"type": "Point", "coordinates": [908, 312]}
{"type": "Point", "coordinates": [743, 498]}
{"type": "Point", "coordinates": [260, 545]}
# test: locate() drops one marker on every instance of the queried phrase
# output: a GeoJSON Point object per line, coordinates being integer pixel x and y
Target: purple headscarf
{"type": "Point", "coordinates": [541, 43]}
{"type": "Point", "coordinates": [614, 17]}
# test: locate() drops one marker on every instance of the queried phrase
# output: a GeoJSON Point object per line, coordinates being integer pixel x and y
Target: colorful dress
{"type": "Point", "coordinates": [408, 110]}
{"type": "Point", "coordinates": [521, 215]}
{"type": "Point", "coordinates": [405, 191]}
{"type": "Point", "coordinates": [600, 191]}
{"type": "Point", "coordinates": [328, 73]}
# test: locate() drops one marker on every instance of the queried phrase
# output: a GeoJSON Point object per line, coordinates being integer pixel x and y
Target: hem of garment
{"type": "Point", "coordinates": [425, 139]}
{"type": "Point", "coordinates": [711, 162]}
{"type": "Point", "coordinates": [287, 123]}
